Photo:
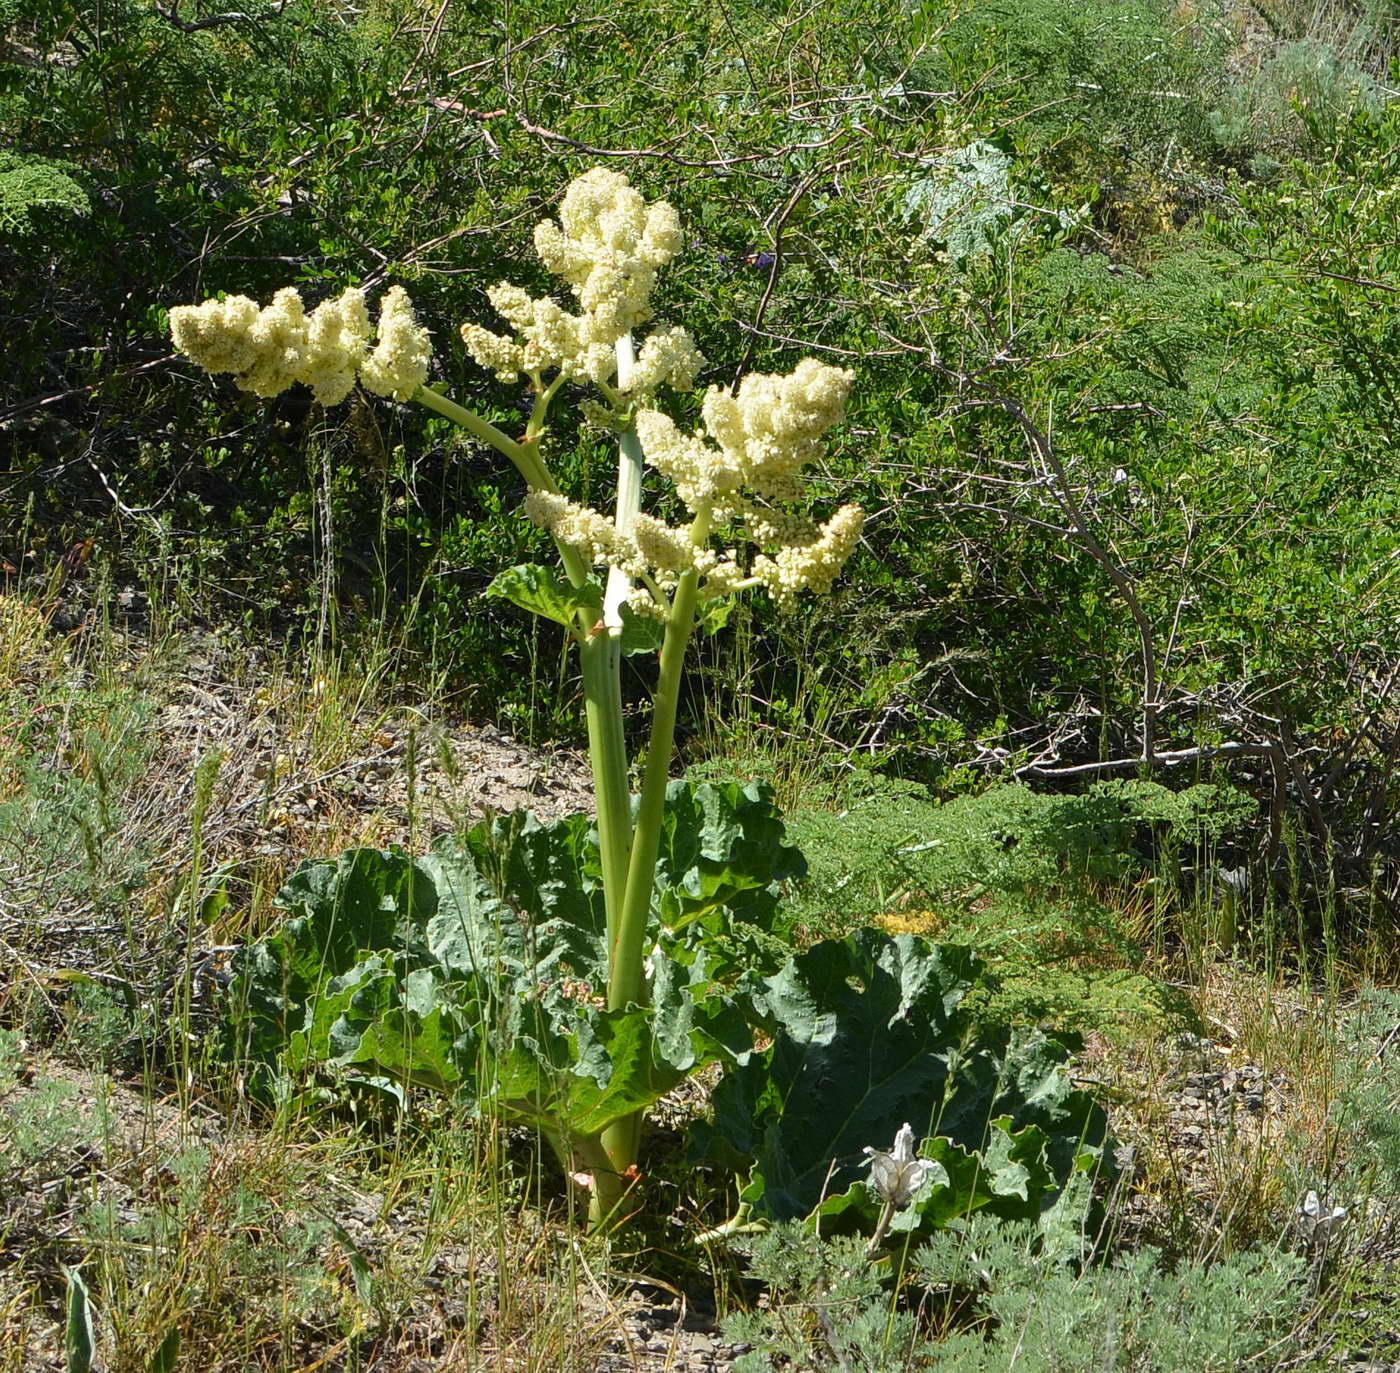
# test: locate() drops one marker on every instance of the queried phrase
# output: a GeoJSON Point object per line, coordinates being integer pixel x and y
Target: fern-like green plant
{"type": "Point", "coordinates": [34, 188]}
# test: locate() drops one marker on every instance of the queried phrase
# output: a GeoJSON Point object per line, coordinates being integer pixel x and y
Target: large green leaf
{"type": "Point", "coordinates": [585, 1067]}
{"type": "Point", "coordinates": [480, 968]}
{"type": "Point", "coordinates": [547, 873]}
{"type": "Point", "coordinates": [870, 1032]}
{"type": "Point", "coordinates": [366, 900]}
{"type": "Point", "coordinates": [541, 591]}
{"type": "Point", "coordinates": [401, 1025]}
{"type": "Point", "coordinates": [723, 847]}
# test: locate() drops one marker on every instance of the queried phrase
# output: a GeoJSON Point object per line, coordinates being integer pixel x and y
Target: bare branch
{"type": "Point", "coordinates": [1064, 494]}
{"type": "Point", "coordinates": [213, 21]}
{"type": "Point", "coordinates": [663, 153]}
{"type": "Point", "coordinates": [1169, 758]}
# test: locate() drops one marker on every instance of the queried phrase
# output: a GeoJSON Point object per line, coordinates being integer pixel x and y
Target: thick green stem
{"type": "Point", "coordinates": [626, 955]}
{"type": "Point", "coordinates": [627, 950]}
{"type": "Point", "coordinates": [525, 456]}
{"type": "Point", "coordinates": [599, 657]}
{"type": "Point", "coordinates": [609, 1188]}
{"type": "Point", "coordinates": [585, 1154]}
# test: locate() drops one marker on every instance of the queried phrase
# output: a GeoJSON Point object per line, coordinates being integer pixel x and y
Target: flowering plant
{"type": "Point", "coordinates": [631, 582]}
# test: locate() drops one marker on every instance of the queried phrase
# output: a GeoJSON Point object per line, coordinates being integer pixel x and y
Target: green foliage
{"type": "Point", "coordinates": [1128, 76]}
{"type": "Point", "coordinates": [966, 201]}
{"type": "Point", "coordinates": [1131, 1313]}
{"type": "Point", "coordinates": [245, 1228]}
{"type": "Point", "coordinates": [870, 1032]}
{"type": "Point", "coordinates": [541, 591]}
{"type": "Point", "coordinates": [991, 1296]}
{"type": "Point", "coordinates": [31, 189]}
{"type": "Point", "coordinates": [477, 969]}
{"type": "Point", "coordinates": [40, 1130]}
{"type": "Point", "coordinates": [1365, 1108]}
{"type": "Point", "coordinates": [1035, 883]}
{"type": "Point", "coordinates": [63, 827]}
{"type": "Point", "coordinates": [1296, 101]}
{"type": "Point", "coordinates": [1222, 399]}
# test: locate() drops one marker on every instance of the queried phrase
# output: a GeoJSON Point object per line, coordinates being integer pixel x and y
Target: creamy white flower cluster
{"type": "Point", "coordinates": [607, 246]}
{"type": "Point", "coordinates": [813, 564]}
{"type": "Point", "coordinates": [764, 434]}
{"type": "Point", "coordinates": [272, 348]}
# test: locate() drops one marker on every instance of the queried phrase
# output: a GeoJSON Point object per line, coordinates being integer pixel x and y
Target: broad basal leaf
{"type": "Point", "coordinates": [547, 872]}
{"type": "Point", "coordinates": [870, 1032]}
{"type": "Point", "coordinates": [479, 969]}
{"type": "Point", "coordinates": [722, 846]}
{"type": "Point", "coordinates": [365, 901]}
{"type": "Point", "coordinates": [567, 1059]}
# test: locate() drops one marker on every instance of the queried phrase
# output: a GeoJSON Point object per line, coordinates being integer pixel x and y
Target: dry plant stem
{"type": "Point", "coordinates": [1041, 445]}
{"type": "Point", "coordinates": [878, 1238]}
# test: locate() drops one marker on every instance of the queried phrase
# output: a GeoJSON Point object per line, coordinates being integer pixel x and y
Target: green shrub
{"type": "Point", "coordinates": [995, 1296]}
{"type": "Point", "coordinates": [1040, 885]}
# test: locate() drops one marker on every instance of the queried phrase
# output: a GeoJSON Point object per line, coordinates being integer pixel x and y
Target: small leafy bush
{"type": "Point", "coordinates": [42, 1123]}
{"type": "Point", "coordinates": [1037, 883]}
{"type": "Point", "coordinates": [992, 1296]}
{"type": "Point", "coordinates": [34, 188]}
{"type": "Point", "coordinates": [66, 815]}
{"type": "Point", "coordinates": [1295, 101]}
{"type": "Point", "coordinates": [1365, 1109]}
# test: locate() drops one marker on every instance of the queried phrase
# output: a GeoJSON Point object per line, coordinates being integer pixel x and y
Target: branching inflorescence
{"type": "Point", "coordinates": [739, 476]}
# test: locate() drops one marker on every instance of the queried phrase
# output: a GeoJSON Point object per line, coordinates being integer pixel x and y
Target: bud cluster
{"type": "Point", "coordinates": [607, 247]}
{"type": "Point", "coordinates": [763, 435]}
{"type": "Point", "coordinates": [269, 349]}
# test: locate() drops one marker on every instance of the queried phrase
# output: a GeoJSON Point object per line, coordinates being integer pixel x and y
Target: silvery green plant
{"type": "Point", "coordinates": [630, 581]}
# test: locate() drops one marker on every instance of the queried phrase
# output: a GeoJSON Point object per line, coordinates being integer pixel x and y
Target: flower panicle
{"type": "Point", "coordinates": [777, 426]}
{"type": "Point", "coordinates": [607, 247]}
{"type": "Point", "coordinates": [270, 349]}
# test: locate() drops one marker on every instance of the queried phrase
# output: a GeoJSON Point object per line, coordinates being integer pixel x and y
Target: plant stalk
{"type": "Point", "coordinates": [600, 657]}
{"type": "Point", "coordinates": [525, 456]}
{"type": "Point", "coordinates": [630, 462]}
{"type": "Point", "coordinates": [625, 958]}
{"type": "Point", "coordinates": [626, 983]}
